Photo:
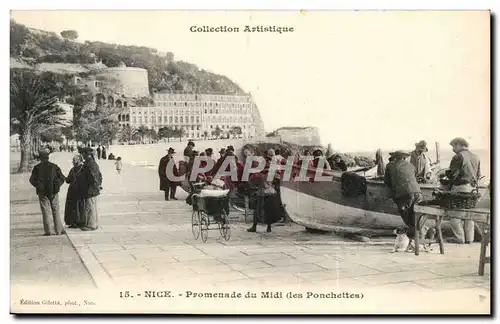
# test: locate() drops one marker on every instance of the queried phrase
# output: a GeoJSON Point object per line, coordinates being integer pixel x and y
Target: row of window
{"type": "Point", "coordinates": [201, 104]}
{"type": "Point", "coordinates": [182, 119]}
{"type": "Point", "coordinates": [192, 111]}
{"type": "Point", "coordinates": [173, 96]}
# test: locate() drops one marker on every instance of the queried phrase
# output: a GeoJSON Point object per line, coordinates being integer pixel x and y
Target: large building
{"type": "Point", "coordinates": [199, 115]}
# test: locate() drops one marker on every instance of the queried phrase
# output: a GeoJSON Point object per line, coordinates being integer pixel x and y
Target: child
{"type": "Point", "coordinates": [118, 164]}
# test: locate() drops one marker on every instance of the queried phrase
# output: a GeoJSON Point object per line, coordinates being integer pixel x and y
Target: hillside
{"type": "Point", "coordinates": [32, 47]}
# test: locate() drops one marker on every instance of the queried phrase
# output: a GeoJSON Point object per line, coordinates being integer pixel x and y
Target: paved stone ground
{"type": "Point", "coordinates": [36, 259]}
{"type": "Point", "coordinates": [143, 239]}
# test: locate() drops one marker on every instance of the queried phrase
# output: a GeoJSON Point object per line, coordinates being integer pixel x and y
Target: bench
{"type": "Point", "coordinates": [478, 215]}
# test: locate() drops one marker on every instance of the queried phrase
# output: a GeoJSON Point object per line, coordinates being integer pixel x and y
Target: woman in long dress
{"type": "Point", "coordinates": [269, 209]}
{"type": "Point", "coordinates": [74, 211]}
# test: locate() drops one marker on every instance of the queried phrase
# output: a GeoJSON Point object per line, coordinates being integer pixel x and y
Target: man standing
{"type": "Point", "coordinates": [421, 162]}
{"type": "Point", "coordinates": [463, 176]}
{"type": "Point", "coordinates": [98, 151]}
{"type": "Point", "coordinates": [47, 178]}
{"type": "Point", "coordinates": [91, 189]}
{"type": "Point", "coordinates": [400, 179]}
{"type": "Point", "coordinates": [166, 184]}
{"type": "Point", "coordinates": [188, 151]}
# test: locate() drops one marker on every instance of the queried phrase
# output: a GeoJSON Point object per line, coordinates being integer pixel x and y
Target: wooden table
{"type": "Point", "coordinates": [478, 215]}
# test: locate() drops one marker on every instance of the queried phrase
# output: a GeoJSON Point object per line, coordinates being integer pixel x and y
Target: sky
{"type": "Point", "coordinates": [366, 79]}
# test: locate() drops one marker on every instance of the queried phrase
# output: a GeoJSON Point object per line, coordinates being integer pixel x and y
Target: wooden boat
{"type": "Point", "coordinates": [325, 206]}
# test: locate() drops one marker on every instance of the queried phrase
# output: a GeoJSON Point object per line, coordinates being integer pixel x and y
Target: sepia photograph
{"type": "Point", "coordinates": [250, 162]}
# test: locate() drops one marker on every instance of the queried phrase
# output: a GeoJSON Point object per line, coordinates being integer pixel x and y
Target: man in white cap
{"type": "Point", "coordinates": [463, 175]}
{"type": "Point", "coordinates": [48, 178]}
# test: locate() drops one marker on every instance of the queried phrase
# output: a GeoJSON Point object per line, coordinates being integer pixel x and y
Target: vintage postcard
{"type": "Point", "coordinates": [250, 162]}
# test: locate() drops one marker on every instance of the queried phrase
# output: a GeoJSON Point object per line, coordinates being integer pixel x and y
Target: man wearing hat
{"type": "Point", "coordinates": [166, 184]}
{"type": "Point", "coordinates": [188, 151]}
{"type": "Point", "coordinates": [421, 162]}
{"type": "Point", "coordinates": [48, 178]}
{"type": "Point", "coordinates": [222, 153]}
{"type": "Point", "coordinates": [91, 189]}
{"type": "Point", "coordinates": [463, 176]}
{"type": "Point", "coordinates": [405, 190]}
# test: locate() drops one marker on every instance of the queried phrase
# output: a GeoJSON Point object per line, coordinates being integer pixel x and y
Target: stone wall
{"type": "Point", "coordinates": [299, 135]}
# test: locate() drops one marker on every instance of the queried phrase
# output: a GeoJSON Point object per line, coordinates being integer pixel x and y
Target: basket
{"type": "Point", "coordinates": [459, 200]}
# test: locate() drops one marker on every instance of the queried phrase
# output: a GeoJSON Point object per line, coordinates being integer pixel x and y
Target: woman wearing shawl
{"type": "Point", "coordinates": [74, 211]}
{"type": "Point", "coordinates": [269, 209]}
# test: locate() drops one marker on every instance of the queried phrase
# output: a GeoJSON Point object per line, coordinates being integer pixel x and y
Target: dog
{"type": "Point", "coordinates": [402, 242]}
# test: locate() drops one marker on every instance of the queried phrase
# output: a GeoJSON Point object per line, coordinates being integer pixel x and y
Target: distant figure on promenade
{"type": "Point", "coordinates": [48, 178]}
{"type": "Point", "coordinates": [336, 163]}
{"type": "Point", "coordinates": [103, 152]}
{"type": "Point", "coordinates": [98, 150]}
{"type": "Point", "coordinates": [379, 161]}
{"type": "Point", "coordinates": [111, 156]}
{"type": "Point", "coordinates": [222, 153]}
{"type": "Point", "coordinates": [74, 211]}
{"type": "Point", "coordinates": [91, 189]}
{"type": "Point", "coordinates": [421, 162]}
{"type": "Point", "coordinates": [318, 155]}
{"type": "Point", "coordinates": [463, 176]}
{"type": "Point", "coordinates": [166, 184]}
{"type": "Point", "coordinates": [119, 165]}
{"type": "Point", "coordinates": [400, 179]}
{"type": "Point", "coordinates": [188, 151]}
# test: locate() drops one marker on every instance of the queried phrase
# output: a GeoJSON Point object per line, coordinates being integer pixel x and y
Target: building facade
{"type": "Point", "coordinates": [199, 115]}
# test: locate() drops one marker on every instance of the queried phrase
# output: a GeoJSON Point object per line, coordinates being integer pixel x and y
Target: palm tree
{"type": "Point", "coordinates": [33, 110]}
{"type": "Point", "coordinates": [127, 134]}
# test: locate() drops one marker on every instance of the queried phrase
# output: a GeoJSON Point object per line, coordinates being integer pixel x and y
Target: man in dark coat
{"type": "Point", "coordinates": [188, 151]}
{"type": "Point", "coordinates": [463, 175]}
{"type": "Point", "coordinates": [402, 182]}
{"type": "Point", "coordinates": [47, 178]}
{"type": "Point", "coordinates": [166, 184]}
{"type": "Point", "coordinates": [91, 188]}
{"type": "Point", "coordinates": [98, 151]}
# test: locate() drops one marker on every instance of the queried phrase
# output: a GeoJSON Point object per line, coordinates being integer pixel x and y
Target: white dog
{"type": "Point", "coordinates": [402, 242]}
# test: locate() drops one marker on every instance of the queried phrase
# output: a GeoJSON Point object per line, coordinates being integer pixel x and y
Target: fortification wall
{"type": "Point", "coordinates": [133, 81]}
{"type": "Point", "coordinates": [300, 136]}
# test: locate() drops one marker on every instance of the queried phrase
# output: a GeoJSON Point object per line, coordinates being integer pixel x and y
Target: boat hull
{"type": "Point", "coordinates": [323, 206]}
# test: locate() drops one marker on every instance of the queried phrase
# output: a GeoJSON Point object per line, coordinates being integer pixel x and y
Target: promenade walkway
{"type": "Point", "coordinates": [143, 239]}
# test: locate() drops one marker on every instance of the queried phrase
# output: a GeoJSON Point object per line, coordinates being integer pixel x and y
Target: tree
{"type": "Point", "coordinates": [205, 134]}
{"type": "Point", "coordinates": [236, 131]}
{"type": "Point", "coordinates": [33, 110]}
{"type": "Point", "coordinates": [69, 34]}
{"type": "Point", "coordinates": [127, 134]}
{"type": "Point", "coordinates": [52, 135]}
{"type": "Point", "coordinates": [166, 132]}
{"type": "Point", "coordinates": [68, 133]}
{"type": "Point", "coordinates": [217, 132]}
{"type": "Point", "coordinates": [180, 133]}
{"type": "Point", "coordinates": [142, 131]}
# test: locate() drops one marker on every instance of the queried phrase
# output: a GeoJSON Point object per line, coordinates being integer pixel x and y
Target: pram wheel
{"type": "Point", "coordinates": [196, 224]}
{"type": "Point", "coordinates": [204, 228]}
{"type": "Point", "coordinates": [224, 226]}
